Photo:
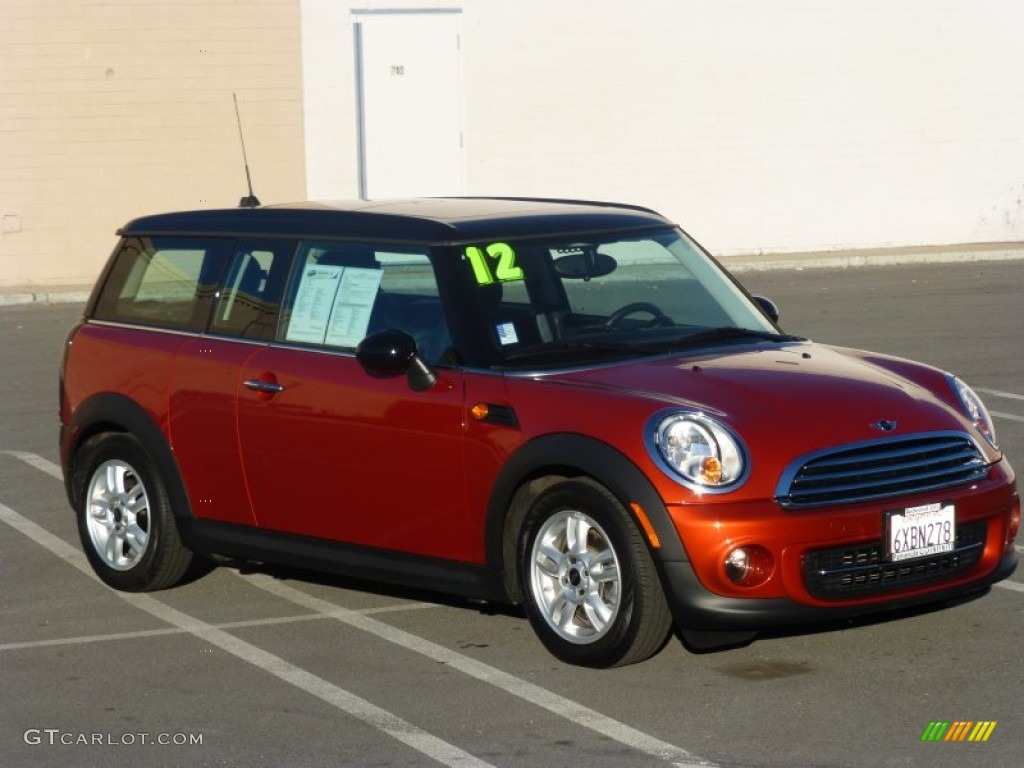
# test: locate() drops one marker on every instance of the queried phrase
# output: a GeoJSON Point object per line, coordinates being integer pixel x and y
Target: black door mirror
{"type": "Point", "coordinates": [391, 353]}
{"type": "Point", "coordinates": [768, 307]}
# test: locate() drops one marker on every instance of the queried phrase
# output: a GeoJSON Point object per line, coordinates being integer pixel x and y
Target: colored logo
{"type": "Point", "coordinates": [958, 730]}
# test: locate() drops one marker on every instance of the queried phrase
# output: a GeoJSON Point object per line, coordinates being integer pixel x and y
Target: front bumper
{"type": "Point", "coordinates": [804, 587]}
{"type": "Point", "coordinates": [708, 620]}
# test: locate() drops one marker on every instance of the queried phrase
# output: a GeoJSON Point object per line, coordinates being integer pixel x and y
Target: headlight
{"type": "Point", "coordinates": [702, 451]}
{"type": "Point", "coordinates": [975, 410]}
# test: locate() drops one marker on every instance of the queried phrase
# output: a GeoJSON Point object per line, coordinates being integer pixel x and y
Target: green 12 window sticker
{"type": "Point", "coordinates": [505, 269]}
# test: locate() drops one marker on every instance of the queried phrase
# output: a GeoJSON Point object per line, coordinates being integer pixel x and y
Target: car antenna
{"type": "Point", "coordinates": [250, 201]}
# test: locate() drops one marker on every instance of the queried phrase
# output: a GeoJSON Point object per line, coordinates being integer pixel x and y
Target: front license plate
{"type": "Point", "coordinates": [920, 531]}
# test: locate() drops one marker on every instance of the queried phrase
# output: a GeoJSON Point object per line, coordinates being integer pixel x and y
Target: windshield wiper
{"type": "Point", "coordinates": [590, 348]}
{"type": "Point", "coordinates": [728, 333]}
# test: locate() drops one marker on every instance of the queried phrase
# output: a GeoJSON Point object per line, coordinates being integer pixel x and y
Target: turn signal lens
{"type": "Point", "coordinates": [711, 471]}
{"type": "Point", "coordinates": [1014, 520]}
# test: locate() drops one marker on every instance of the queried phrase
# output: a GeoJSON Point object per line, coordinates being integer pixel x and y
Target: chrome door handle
{"type": "Point", "coordinates": [271, 387]}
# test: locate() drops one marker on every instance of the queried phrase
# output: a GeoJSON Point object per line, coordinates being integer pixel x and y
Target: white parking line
{"type": "Point", "coordinates": [1007, 395]}
{"type": "Point", "coordinates": [37, 461]}
{"type": "Point", "coordinates": [59, 641]}
{"type": "Point", "coordinates": [1008, 416]}
{"type": "Point", "coordinates": [529, 692]}
{"type": "Point", "coordinates": [142, 633]}
{"type": "Point", "coordinates": [423, 742]}
{"type": "Point", "coordinates": [1000, 393]}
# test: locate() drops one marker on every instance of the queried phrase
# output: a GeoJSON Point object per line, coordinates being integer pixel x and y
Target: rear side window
{"type": "Point", "coordinates": [248, 303]}
{"type": "Point", "coordinates": [163, 281]}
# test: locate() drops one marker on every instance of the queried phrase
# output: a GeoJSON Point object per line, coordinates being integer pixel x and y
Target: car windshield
{"type": "Point", "coordinates": [603, 298]}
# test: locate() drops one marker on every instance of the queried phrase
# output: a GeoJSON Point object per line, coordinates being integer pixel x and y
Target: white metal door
{"type": "Point", "coordinates": [409, 107]}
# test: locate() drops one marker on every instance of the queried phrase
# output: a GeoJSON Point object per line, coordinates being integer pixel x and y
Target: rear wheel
{"type": "Point", "coordinates": [125, 519]}
{"type": "Point", "coordinates": [591, 590]}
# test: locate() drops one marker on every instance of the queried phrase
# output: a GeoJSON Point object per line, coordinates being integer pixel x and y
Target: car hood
{"type": "Point", "coordinates": [793, 398]}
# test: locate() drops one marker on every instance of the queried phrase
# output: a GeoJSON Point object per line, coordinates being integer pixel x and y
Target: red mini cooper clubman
{"type": "Point", "coordinates": [566, 405]}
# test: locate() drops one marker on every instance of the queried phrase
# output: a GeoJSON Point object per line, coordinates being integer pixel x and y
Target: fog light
{"type": "Point", "coordinates": [748, 566]}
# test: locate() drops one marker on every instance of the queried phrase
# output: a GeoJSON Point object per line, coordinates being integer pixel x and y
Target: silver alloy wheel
{"type": "Point", "coordinates": [117, 515]}
{"type": "Point", "coordinates": [574, 576]}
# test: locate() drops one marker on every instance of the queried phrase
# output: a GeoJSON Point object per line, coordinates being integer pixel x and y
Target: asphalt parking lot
{"type": "Point", "coordinates": [250, 666]}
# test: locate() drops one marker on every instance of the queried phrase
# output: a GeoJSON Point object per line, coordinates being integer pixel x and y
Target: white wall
{"type": "Point", "coordinates": [760, 126]}
{"type": "Point", "coordinates": [329, 100]}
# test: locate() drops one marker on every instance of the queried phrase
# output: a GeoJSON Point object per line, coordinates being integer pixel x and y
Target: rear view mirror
{"type": "Point", "coordinates": [583, 263]}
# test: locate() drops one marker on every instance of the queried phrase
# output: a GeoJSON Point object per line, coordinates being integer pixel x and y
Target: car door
{"type": "Point", "coordinates": [205, 379]}
{"type": "Point", "coordinates": [333, 453]}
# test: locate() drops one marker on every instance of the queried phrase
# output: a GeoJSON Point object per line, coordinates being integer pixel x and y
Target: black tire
{"type": "Point", "coordinates": [585, 610]}
{"type": "Point", "coordinates": [125, 520]}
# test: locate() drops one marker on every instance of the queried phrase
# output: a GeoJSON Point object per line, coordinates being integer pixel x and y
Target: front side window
{"type": "Point", "coordinates": [163, 281]}
{"type": "Point", "coordinates": [342, 292]}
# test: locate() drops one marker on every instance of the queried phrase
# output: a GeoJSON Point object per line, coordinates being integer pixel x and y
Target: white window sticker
{"type": "Point", "coordinates": [333, 305]}
{"type": "Point", "coordinates": [507, 333]}
{"type": "Point", "coordinates": [350, 315]}
{"type": "Point", "coordinates": [312, 311]}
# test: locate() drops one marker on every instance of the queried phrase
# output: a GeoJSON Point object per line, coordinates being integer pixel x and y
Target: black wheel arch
{"type": "Point", "coordinates": [112, 412]}
{"type": "Point", "coordinates": [546, 460]}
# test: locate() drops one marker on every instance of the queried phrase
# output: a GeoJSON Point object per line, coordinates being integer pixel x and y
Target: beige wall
{"type": "Point", "coordinates": [115, 109]}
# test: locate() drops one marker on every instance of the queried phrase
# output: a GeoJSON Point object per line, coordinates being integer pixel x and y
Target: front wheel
{"type": "Point", "coordinates": [125, 519]}
{"type": "Point", "coordinates": [592, 593]}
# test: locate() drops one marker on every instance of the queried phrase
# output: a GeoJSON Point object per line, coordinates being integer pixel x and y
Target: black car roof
{"type": "Point", "coordinates": [436, 220]}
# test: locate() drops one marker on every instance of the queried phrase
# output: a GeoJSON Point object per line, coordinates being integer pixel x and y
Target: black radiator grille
{"type": "Point", "coordinates": [860, 571]}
